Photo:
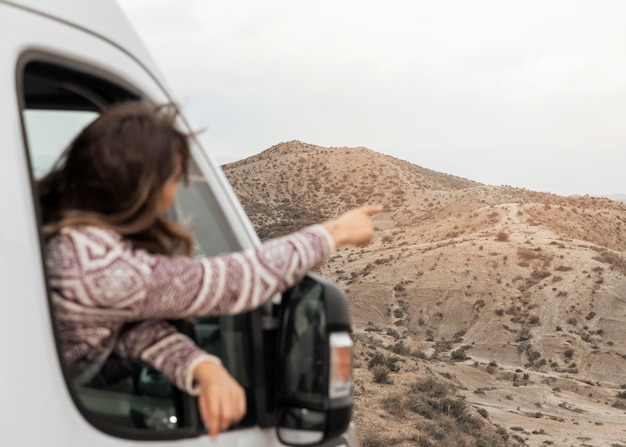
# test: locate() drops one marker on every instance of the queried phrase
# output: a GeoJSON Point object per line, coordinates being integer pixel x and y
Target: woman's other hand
{"type": "Point", "coordinates": [353, 227]}
{"type": "Point", "coordinates": [222, 401]}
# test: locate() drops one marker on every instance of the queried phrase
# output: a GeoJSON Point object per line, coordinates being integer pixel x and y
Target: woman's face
{"type": "Point", "coordinates": [168, 192]}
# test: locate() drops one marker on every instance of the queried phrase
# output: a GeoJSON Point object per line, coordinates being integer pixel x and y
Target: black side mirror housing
{"type": "Point", "coordinates": [314, 380]}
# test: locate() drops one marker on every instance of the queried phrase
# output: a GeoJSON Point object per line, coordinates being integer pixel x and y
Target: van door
{"type": "Point", "coordinates": [60, 78]}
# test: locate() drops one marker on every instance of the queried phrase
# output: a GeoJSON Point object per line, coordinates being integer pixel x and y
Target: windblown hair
{"type": "Point", "coordinates": [112, 175]}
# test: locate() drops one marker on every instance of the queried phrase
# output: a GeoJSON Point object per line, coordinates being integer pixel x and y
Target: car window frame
{"type": "Point", "coordinates": [105, 78]}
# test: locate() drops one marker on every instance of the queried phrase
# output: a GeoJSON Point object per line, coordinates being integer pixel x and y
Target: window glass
{"type": "Point", "coordinates": [211, 231]}
{"type": "Point", "coordinates": [49, 132]}
{"type": "Point", "coordinates": [126, 397]}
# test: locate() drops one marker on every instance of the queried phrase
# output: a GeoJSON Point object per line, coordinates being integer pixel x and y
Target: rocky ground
{"type": "Point", "coordinates": [483, 315]}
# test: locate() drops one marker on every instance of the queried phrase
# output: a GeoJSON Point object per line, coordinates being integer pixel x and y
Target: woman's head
{"type": "Point", "coordinates": [121, 171]}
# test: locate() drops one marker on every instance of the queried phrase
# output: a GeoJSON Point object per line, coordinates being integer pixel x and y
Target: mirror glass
{"type": "Point", "coordinates": [303, 365]}
{"type": "Point", "coordinates": [305, 348]}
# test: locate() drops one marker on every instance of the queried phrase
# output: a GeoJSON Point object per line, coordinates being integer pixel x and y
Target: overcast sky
{"type": "Point", "coordinates": [525, 93]}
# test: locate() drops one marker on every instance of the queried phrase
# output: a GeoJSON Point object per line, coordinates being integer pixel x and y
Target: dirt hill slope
{"type": "Point", "coordinates": [514, 297]}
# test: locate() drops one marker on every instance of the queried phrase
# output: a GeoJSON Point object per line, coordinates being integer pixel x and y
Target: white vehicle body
{"type": "Point", "coordinates": [90, 37]}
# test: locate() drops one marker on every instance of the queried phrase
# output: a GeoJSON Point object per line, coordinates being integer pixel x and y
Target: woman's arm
{"type": "Point", "coordinates": [92, 268]}
{"type": "Point", "coordinates": [231, 283]}
{"type": "Point", "coordinates": [221, 400]}
{"type": "Point", "coordinates": [161, 345]}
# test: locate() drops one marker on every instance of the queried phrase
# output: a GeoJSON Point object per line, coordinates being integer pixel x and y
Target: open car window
{"type": "Point", "coordinates": [130, 399]}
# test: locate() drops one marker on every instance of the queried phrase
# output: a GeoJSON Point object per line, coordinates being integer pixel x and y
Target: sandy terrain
{"type": "Point", "coordinates": [512, 299]}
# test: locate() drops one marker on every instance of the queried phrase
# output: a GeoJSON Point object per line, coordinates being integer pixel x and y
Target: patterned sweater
{"type": "Point", "coordinates": [109, 295]}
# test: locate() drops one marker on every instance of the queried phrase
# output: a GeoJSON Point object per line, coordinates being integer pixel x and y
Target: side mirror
{"type": "Point", "coordinates": [314, 388]}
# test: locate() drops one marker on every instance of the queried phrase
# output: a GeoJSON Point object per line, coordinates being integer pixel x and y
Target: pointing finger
{"type": "Point", "coordinates": [372, 209]}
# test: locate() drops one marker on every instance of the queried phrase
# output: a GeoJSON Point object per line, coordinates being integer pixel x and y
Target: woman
{"type": "Point", "coordinates": [118, 268]}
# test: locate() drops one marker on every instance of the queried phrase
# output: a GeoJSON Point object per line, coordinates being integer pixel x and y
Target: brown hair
{"type": "Point", "coordinates": [112, 174]}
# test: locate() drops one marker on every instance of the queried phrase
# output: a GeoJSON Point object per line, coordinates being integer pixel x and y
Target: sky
{"type": "Point", "coordinates": [530, 93]}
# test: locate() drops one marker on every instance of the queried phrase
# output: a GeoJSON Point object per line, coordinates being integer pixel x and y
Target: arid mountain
{"type": "Point", "coordinates": [514, 299]}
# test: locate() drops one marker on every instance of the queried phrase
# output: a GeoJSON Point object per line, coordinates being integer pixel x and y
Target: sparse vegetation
{"type": "Point", "coordinates": [457, 269]}
{"type": "Point", "coordinates": [614, 260]}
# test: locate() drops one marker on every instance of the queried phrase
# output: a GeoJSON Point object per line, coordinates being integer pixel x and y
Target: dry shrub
{"type": "Point", "coordinates": [380, 374]}
{"type": "Point", "coordinates": [529, 254]}
{"type": "Point", "coordinates": [616, 262]}
{"type": "Point", "coordinates": [620, 405]}
{"type": "Point", "coordinates": [379, 359]}
{"type": "Point", "coordinates": [432, 387]}
{"type": "Point", "coordinates": [373, 439]}
{"type": "Point", "coordinates": [393, 403]}
{"type": "Point", "coordinates": [417, 404]}
{"type": "Point", "coordinates": [502, 237]}
{"type": "Point", "coordinates": [540, 274]}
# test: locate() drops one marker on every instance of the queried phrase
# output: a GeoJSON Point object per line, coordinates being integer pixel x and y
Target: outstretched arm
{"type": "Point", "coordinates": [94, 268]}
{"type": "Point", "coordinates": [134, 285]}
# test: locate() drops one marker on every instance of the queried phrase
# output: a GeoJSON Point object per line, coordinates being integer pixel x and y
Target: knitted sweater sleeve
{"type": "Point", "coordinates": [133, 285]}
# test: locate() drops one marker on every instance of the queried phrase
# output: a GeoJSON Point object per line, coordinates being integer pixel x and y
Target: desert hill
{"type": "Point", "coordinates": [516, 298]}
{"type": "Point", "coordinates": [297, 183]}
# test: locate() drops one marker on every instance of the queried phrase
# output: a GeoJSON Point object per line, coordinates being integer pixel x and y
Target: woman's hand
{"type": "Point", "coordinates": [222, 401]}
{"type": "Point", "coordinates": [353, 227]}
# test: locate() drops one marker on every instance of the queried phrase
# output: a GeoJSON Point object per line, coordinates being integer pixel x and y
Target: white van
{"type": "Point", "coordinates": [62, 62]}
